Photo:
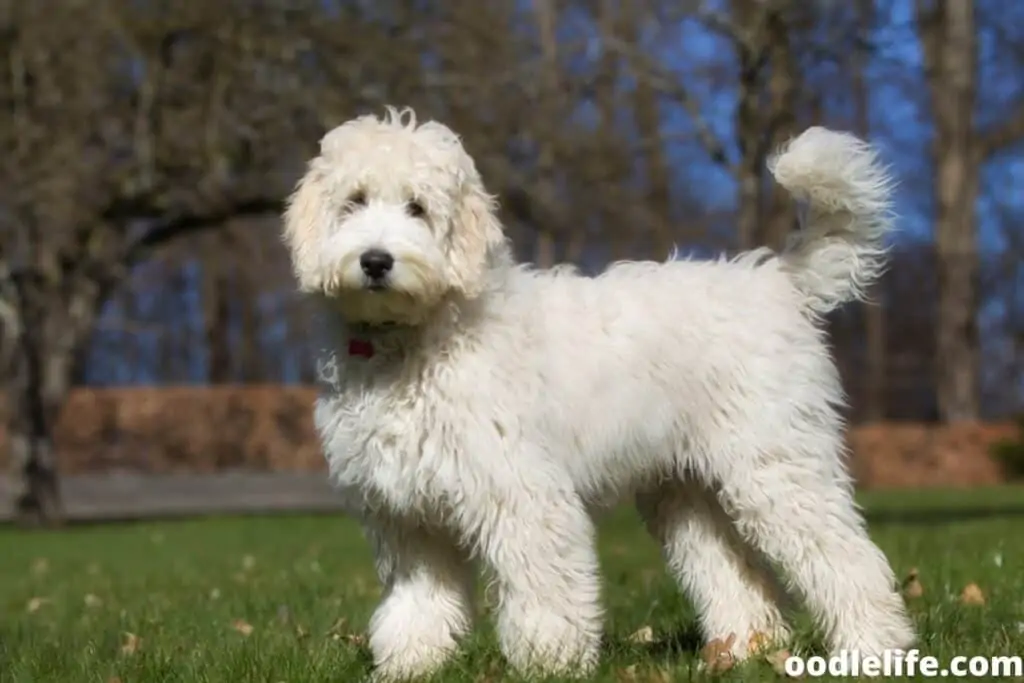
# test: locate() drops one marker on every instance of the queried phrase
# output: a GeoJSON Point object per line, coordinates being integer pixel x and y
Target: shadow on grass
{"type": "Point", "coordinates": [183, 516]}
{"type": "Point", "coordinates": [682, 641]}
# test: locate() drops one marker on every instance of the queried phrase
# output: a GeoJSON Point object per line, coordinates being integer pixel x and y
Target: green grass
{"type": "Point", "coordinates": [306, 587]}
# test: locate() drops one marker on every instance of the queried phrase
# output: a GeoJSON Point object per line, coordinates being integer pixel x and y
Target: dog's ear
{"type": "Point", "coordinates": [475, 238]}
{"type": "Point", "coordinates": [303, 218]}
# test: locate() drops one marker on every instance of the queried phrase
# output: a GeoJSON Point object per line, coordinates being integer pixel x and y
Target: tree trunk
{"type": "Point", "coordinates": [546, 18]}
{"type": "Point", "coordinates": [647, 116]}
{"type": "Point", "coordinates": [948, 36]}
{"type": "Point", "coordinates": [748, 172]}
{"type": "Point", "coordinates": [33, 460]}
{"type": "Point", "coordinates": [217, 321]}
{"type": "Point", "coordinates": [783, 93]}
{"type": "Point", "coordinates": [874, 311]}
{"type": "Point", "coordinates": [768, 93]}
{"type": "Point", "coordinates": [750, 124]}
{"type": "Point", "coordinates": [252, 360]}
{"type": "Point", "coordinates": [614, 159]}
{"type": "Point", "coordinates": [55, 320]}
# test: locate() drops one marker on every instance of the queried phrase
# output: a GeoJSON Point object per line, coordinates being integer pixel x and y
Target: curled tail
{"type": "Point", "coordinates": [846, 191]}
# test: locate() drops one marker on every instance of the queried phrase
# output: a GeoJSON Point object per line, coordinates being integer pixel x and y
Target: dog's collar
{"type": "Point", "coordinates": [360, 347]}
{"type": "Point", "coordinates": [361, 342]}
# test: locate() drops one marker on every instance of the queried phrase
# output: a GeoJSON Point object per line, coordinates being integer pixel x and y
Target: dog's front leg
{"type": "Point", "coordinates": [540, 547]}
{"type": "Point", "coordinates": [427, 604]}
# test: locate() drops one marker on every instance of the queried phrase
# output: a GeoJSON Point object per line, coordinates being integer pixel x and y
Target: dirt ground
{"type": "Point", "coordinates": [202, 430]}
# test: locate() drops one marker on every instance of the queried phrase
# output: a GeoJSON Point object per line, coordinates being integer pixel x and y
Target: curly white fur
{"type": "Point", "coordinates": [478, 411]}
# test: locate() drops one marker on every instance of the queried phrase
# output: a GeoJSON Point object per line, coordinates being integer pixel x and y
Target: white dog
{"type": "Point", "coordinates": [475, 410]}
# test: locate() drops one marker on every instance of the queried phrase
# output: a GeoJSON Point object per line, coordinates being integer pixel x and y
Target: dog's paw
{"type": "Point", "coordinates": [564, 659]}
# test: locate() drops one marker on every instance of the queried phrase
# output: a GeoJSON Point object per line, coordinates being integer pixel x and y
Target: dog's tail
{"type": "Point", "coordinates": [846, 196]}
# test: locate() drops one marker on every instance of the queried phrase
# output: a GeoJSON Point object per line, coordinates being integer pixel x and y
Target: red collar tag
{"type": "Point", "coordinates": [360, 347]}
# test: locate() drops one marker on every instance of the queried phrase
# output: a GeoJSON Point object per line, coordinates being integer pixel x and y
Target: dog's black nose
{"type": "Point", "coordinates": [376, 263]}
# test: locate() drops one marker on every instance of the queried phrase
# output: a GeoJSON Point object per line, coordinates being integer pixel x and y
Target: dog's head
{"type": "Point", "coordinates": [390, 219]}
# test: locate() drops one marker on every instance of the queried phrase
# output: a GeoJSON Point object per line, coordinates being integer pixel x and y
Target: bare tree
{"type": "Point", "coordinates": [216, 293]}
{"type": "Point", "coordinates": [546, 15]}
{"type": "Point", "coordinates": [611, 156]}
{"type": "Point", "coordinates": [648, 120]}
{"type": "Point", "coordinates": [768, 86]}
{"type": "Point", "coordinates": [949, 41]}
{"type": "Point", "coordinates": [874, 311]}
{"type": "Point", "coordinates": [187, 140]}
{"type": "Point", "coordinates": [949, 38]}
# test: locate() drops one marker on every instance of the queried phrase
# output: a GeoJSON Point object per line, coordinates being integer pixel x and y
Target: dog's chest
{"type": "Point", "coordinates": [379, 449]}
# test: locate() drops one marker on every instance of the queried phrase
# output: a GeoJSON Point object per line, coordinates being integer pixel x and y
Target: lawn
{"type": "Point", "coordinates": [286, 598]}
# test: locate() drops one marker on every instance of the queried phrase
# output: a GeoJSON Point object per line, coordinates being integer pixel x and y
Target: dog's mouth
{"type": "Point", "coordinates": [376, 286]}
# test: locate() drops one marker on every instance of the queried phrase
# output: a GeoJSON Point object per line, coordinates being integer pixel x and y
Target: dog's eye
{"type": "Point", "coordinates": [415, 209]}
{"type": "Point", "coordinates": [357, 198]}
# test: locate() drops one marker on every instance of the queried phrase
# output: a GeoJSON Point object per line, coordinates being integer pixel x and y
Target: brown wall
{"type": "Point", "coordinates": [269, 427]}
{"type": "Point", "coordinates": [187, 428]}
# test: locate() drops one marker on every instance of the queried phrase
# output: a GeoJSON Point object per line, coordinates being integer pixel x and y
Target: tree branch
{"type": "Point", "coordinates": [1001, 135]}
{"type": "Point", "coordinates": [668, 84]}
{"type": "Point", "coordinates": [720, 23]}
{"type": "Point", "coordinates": [164, 231]}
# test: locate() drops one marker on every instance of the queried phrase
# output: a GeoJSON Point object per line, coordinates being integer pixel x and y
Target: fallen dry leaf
{"type": "Point", "coordinates": [657, 676]}
{"type": "Point", "coordinates": [717, 654]}
{"type": "Point", "coordinates": [778, 661]}
{"type": "Point", "coordinates": [627, 675]}
{"type": "Point", "coordinates": [130, 643]}
{"type": "Point", "coordinates": [972, 595]}
{"type": "Point", "coordinates": [35, 603]}
{"type": "Point", "coordinates": [354, 638]}
{"type": "Point", "coordinates": [634, 674]}
{"type": "Point", "coordinates": [644, 634]}
{"type": "Point", "coordinates": [242, 626]}
{"type": "Point", "coordinates": [492, 673]}
{"type": "Point", "coordinates": [758, 642]}
{"type": "Point", "coordinates": [340, 632]}
{"type": "Point", "coordinates": [92, 600]}
{"type": "Point", "coordinates": [912, 587]}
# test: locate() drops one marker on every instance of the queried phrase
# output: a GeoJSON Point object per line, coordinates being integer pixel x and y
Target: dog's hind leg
{"type": "Point", "coordinates": [427, 605]}
{"type": "Point", "coordinates": [735, 592]}
{"type": "Point", "coordinates": [799, 511]}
